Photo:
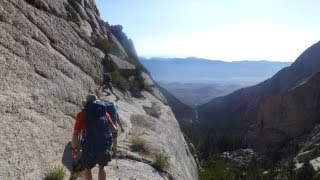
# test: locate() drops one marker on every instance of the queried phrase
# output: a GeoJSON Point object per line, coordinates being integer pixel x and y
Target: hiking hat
{"type": "Point", "coordinates": [91, 97]}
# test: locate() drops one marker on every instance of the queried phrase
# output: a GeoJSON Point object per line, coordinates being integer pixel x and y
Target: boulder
{"type": "Point", "coordinates": [240, 157]}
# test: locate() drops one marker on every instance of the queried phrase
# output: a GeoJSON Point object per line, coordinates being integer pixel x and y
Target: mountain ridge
{"type": "Point", "coordinates": [209, 79]}
{"type": "Point", "coordinates": [239, 109]}
{"type": "Point", "coordinates": [203, 70]}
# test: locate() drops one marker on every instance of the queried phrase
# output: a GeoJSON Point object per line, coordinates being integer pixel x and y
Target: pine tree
{"type": "Point", "coordinates": [306, 172]}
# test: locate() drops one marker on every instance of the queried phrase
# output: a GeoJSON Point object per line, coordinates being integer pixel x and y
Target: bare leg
{"type": "Point", "coordinates": [87, 174]}
{"type": "Point", "coordinates": [114, 144]}
{"type": "Point", "coordinates": [111, 90]}
{"type": "Point", "coordinates": [102, 173]}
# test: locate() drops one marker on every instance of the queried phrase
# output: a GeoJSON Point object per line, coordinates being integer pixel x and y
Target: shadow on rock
{"type": "Point", "coordinates": [67, 159]}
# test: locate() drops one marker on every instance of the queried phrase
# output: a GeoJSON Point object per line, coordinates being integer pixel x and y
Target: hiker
{"type": "Point", "coordinates": [106, 84]}
{"type": "Point", "coordinates": [113, 112]}
{"type": "Point", "coordinates": [95, 126]}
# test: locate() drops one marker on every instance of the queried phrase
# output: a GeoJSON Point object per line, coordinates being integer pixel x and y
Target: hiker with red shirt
{"type": "Point", "coordinates": [79, 125]}
{"type": "Point", "coordinates": [94, 126]}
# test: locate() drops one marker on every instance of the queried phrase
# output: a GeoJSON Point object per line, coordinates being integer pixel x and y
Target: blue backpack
{"type": "Point", "coordinates": [112, 111]}
{"type": "Point", "coordinates": [98, 137]}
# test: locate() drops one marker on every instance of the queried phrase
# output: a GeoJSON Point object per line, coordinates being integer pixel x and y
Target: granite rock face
{"type": "Point", "coordinates": [120, 63]}
{"type": "Point", "coordinates": [309, 149]}
{"type": "Point", "coordinates": [288, 115]}
{"type": "Point", "coordinates": [48, 63]}
{"type": "Point", "coordinates": [124, 40]}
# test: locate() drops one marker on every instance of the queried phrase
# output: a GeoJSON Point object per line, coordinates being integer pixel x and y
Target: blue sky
{"type": "Point", "coordinates": [229, 30]}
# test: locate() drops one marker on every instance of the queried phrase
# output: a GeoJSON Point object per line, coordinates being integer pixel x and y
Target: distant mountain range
{"type": "Point", "coordinates": [196, 81]}
{"type": "Point", "coordinates": [197, 70]}
{"type": "Point", "coordinates": [194, 94]}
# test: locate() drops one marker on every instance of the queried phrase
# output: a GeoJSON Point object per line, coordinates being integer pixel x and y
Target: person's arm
{"type": "Point", "coordinates": [75, 143]}
{"type": "Point", "coordinates": [110, 123]}
{"type": "Point", "coordinates": [78, 126]}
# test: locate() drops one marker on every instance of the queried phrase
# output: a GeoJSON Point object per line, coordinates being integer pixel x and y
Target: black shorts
{"type": "Point", "coordinates": [107, 86]}
{"type": "Point", "coordinates": [88, 161]}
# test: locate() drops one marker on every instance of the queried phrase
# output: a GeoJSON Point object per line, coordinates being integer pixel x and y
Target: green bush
{"type": "Point", "coordinates": [139, 81]}
{"type": "Point", "coordinates": [138, 64]}
{"type": "Point", "coordinates": [156, 110]}
{"type": "Point", "coordinates": [137, 84]}
{"type": "Point", "coordinates": [217, 167]}
{"type": "Point", "coordinates": [161, 161]}
{"type": "Point", "coordinates": [138, 143]}
{"type": "Point", "coordinates": [75, 175]}
{"type": "Point", "coordinates": [133, 61]}
{"type": "Point", "coordinates": [103, 44]}
{"type": "Point", "coordinates": [55, 172]}
{"type": "Point", "coordinates": [119, 81]}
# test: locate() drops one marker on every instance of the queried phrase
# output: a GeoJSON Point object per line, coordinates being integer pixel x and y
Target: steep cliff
{"type": "Point", "coordinates": [50, 59]}
{"type": "Point", "coordinates": [287, 115]}
{"type": "Point", "coordinates": [243, 108]}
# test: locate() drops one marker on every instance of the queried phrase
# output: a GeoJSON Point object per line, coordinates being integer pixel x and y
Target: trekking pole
{"type": "Point", "coordinates": [116, 159]}
{"type": "Point", "coordinates": [115, 151]}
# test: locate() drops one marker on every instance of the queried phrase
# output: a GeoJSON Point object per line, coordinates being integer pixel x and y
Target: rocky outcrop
{"type": "Point", "coordinates": [128, 46]}
{"type": "Point", "coordinates": [244, 108]}
{"type": "Point", "coordinates": [240, 158]}
{"type": "Point", "coordinates": [48, 63]}
{"type": "Point", "coordinates": [154, 88]}
{"type": "Point", "coordinates": [309, 149]}
{"type": "Point", "coordinates": [120, 63]}
{"type": "Point", "coordinates": [124, 40]}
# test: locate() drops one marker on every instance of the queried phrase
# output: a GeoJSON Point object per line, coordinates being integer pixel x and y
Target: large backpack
{"type": "Point", "coordinates": [112, 111]}
{"type": "Point", "coordinates": [98, 136]}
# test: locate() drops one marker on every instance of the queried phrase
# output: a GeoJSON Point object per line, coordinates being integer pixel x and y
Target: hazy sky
{"type": "Point", "coordinates": [217, 29]}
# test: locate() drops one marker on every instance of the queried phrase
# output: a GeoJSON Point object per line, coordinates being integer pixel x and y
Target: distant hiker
{"type": "Point", "coordinates": [106, 84]}
{"type": "Point", "coordinates": [95, 126]}
{"type": "Point", "coordinates": [113, 112]}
